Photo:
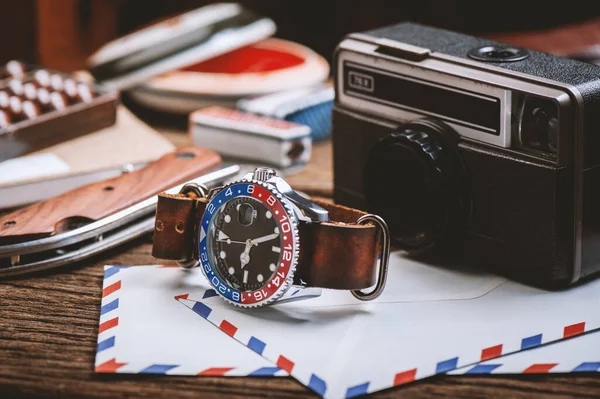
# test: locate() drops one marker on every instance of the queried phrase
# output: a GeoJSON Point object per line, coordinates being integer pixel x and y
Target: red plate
{"type": "Point", "coordinates": [267, 66]}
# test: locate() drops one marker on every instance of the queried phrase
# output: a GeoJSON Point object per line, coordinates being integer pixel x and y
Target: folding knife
{"type": "Point", "coordinates": [94, 218]}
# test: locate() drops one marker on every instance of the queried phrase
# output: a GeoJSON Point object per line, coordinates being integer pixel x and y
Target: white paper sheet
{"type": "Point", "coordinates": [29, 167]}
{"type": "Point", "coordinates": [143, 329]}
{"type": "Point", "coordinates": [429, 320]}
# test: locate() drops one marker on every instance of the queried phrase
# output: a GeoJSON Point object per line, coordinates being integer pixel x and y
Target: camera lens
{"type": "Point", "coordinates": [539, 127]}
{"type": "Point", "coordinates": [414, 180]}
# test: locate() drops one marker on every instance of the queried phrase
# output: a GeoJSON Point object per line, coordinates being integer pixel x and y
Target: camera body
{"type": "Point", "coordinates": [472, 149]}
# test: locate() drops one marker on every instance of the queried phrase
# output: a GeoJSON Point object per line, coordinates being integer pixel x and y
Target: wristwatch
{"type": "Point", "coordinates": [255, 238]}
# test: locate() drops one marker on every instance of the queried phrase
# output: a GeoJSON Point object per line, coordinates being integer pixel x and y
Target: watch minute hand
{"type": "Point", "coordinates": [269, 237]}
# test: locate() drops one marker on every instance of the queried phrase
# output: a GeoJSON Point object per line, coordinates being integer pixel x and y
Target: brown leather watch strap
{"type": "Point", "coordinates": [175, 226]}
{"type": "Point", "coordinates": [338, 254]}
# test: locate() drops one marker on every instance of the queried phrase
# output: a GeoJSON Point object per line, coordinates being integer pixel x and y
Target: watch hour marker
{"type": "Point", "coordinates": [227, 218]}
{"type": "Point", "coordinates": [276, 249]}
{"type": "Point", "coordinates": [259, 278]}
{"type": "Point", "coordinates": [231, 270]}
{"type": "Point", "coordinates": [272, 267]}
{"type": "Point", "coordinates": [269, 215]}
{"type": "Point", "coordinates": [222, 254]}
{"type": "Point", "coordinates": [222, 236]}
{"type": "Point", "coordinates": [245, 279]}
{"type": "Point", "coordinates": [276, 230]}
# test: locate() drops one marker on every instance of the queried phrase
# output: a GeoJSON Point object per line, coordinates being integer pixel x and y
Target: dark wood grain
{"type": "Point", "coordinates": [49, 325]}
{"type": "Point", "coordinates": [19, 28]}
{"type": "Point", "coordinates": [49, 322]}
{"type": "Point", "coordinates": [68, 31]}
{"type": "Point", "coordinates": [97, 200]}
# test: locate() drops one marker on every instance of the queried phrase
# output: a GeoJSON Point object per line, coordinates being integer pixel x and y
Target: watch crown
{"type": "Point", "coordinates": [264, 174]}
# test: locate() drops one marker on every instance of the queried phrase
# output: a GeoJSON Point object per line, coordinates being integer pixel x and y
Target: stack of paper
{"type": "Point", "coordinates": [429, 320]}
{"type": "Point", "coordinates": [101, 155]}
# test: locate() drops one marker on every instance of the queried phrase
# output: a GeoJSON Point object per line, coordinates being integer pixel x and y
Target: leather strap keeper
{"type": "Point", "coordinates": [175, 226]}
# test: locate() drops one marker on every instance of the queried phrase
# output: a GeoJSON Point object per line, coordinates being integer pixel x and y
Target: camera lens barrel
{"type": "Point", "coordinates": [415, 180]}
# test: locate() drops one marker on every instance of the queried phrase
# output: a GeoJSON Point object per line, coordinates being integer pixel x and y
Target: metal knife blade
{"type": "Point", "coordinates": [93, 238]}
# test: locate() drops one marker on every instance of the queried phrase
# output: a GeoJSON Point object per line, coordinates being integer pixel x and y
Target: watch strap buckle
{"type": "Point", "coordinates": [200, 190]}
{"type": "Point", "coordinates": [384, 258]}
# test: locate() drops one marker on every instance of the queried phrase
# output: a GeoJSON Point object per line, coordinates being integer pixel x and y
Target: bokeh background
{"type": "Point", "coordinates": [63, 33]}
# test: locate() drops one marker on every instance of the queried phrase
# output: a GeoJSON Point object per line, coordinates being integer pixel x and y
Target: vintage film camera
{"type": "Point", "coordinates": [472, 148]}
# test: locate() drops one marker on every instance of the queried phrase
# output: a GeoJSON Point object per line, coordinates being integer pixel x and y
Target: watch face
{"type": "Point", "coordinates": [248, 244]}
{"type": "Point", "coordinates": [245, 243]}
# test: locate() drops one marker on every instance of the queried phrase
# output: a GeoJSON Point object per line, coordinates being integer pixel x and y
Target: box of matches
{"type": "Point", "coordinates": [243, 136]}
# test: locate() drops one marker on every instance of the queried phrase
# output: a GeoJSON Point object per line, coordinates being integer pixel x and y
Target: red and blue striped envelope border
{"type": "Point", "coordinates": [533, 368]}
{"type": "Point", "coordinates": [566, 356]}
{"type": "Point", "coordinates": [107, 360]}
{"type": "Point", "coordinates": [319, 384]}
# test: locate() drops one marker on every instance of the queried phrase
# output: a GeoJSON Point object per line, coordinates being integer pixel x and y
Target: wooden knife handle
{"type": "Point", "coordinates": [95, 201]}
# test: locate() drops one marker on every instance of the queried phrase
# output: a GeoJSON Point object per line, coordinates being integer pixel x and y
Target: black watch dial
{"type": "Point", "coordinates": [245, 243]}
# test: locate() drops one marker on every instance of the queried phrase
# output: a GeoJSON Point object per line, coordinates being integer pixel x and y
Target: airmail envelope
{"type": "Point", "coordinates": [143, 329]}
{"type": "Point", "coordinates": [429, 320]}
{"type": "Point", "coordinates": [575, 355]}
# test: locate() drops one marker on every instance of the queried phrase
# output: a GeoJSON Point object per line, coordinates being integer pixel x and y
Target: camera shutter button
{"type": "Point", "coordinates": [498, 53]}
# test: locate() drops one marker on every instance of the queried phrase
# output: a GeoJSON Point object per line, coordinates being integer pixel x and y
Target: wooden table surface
{"type": "Point", "coordinates": [49, 321]}
{"type": "Point", "coordinates": [49, 325]}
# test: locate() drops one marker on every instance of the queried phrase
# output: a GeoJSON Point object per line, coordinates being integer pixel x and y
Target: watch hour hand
{"type": "Point", "coordinates": [244, 259]}
{"type": "Point", "coordinates": [269, 237]}
{"type": "Point", "coordinates": [245, 256]}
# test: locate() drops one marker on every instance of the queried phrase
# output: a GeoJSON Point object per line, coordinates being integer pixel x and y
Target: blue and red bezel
{"type": "Point", "coordinates": [281, 279]}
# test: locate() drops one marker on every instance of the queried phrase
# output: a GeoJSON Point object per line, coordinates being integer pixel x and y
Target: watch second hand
{"type": "Point", "coordinates": [232, 242]}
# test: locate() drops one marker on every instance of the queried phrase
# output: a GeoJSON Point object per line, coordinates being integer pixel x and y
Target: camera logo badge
{"type": "Point", "coordinates": [360, 81]}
